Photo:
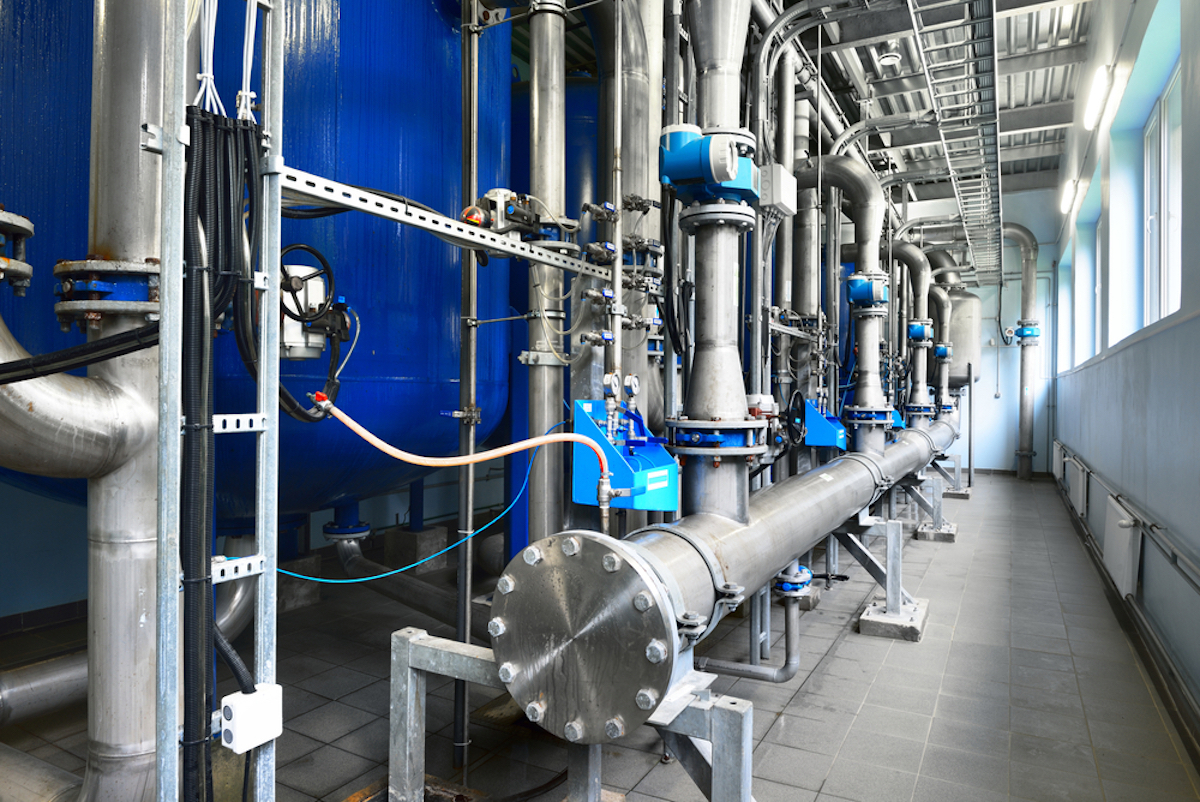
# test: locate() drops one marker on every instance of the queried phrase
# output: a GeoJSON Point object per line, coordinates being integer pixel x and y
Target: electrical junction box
{"type": "Point", "coordinates": [638, 462]}
{"type": "Point", "coordinates": [778, 190]}
{"type": "Point", "coordinates": [251, 719]}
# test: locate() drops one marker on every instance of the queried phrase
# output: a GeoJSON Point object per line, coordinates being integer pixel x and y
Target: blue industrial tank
{"type": "Point", "coordinates": [373, 99]}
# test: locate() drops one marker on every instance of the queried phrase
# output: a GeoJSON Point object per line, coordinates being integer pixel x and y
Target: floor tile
{"type": "Point", "coordinates": [330, 721]}
{"type": "Point", "coordinates": [322, 771]}
{"type": "Point", "coordinates": [965, 768]}
{"type": "Point", "coordinates": [862, 782]}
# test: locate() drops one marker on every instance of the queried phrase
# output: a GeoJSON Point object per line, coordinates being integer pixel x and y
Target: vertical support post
{"type": "Point", "coordinates": [406, 756]}
{"type": "Point", "coordinates": [416, 505]}
{"type": "Point", "coordinates": [831, 560]}
{"type": "Point", "coordinates": [732, 738]}
{"type": "Point", "coordinates": [970, 425]}
{"type": "Point", "coordinates": [467, 374]}
{"type": "Point", "coordinates": [583, 772]}
{"type": "Point", "coordinates": [894, 588]}
{"type": "Point", "coordinates": [169, 399]}
{"type": "Point", "coordinates": [267, 491]}
{"type": "Point", "coordinates": [936, 489]}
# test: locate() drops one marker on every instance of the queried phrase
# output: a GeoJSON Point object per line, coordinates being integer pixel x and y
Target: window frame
{"type": "Point", "coordinates": [1160, 273]}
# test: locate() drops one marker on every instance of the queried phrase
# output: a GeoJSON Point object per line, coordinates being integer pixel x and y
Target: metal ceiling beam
{"type": "Point", "coordinates": [1009, 65]}
{"type": "Point", "coordinates": [1013, 182]}
{"type": "Point", "coordinates": [879, 26]}
{"type": "Point", "coordinates": [1006, 155]}
{"type": "Point", "coordinates": [1041, 117]}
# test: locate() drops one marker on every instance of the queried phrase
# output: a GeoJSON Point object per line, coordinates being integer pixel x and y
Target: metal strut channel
{"type": "Point", "coordinates": [297, 185]}
{"type": "Point", "coordinates": [959, 59]}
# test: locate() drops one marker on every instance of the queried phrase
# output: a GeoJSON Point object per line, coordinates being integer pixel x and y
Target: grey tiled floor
{"type": "Point", "coordinates": [1024, 688]}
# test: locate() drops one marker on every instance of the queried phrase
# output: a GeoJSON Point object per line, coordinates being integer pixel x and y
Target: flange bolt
{"type": "Point", "coordinates": [570, 546]}
{"type": "Point", "coordinates": [573, 731]}
{"type": "Point", "coordinates": [656, 651]}
{"type": "Point", "coordinates": [614, 727]}
{"type": "Point", "coordinates": [496, 627]}
{"type": "Point", "coordinates": [507, 672]}
{"type": "Point", "coordinates": [642, 602]}
{"type": "Point", "coordinates": [534, 711]}
{"type": "Point", "coordinates": [506, 585]}
{"type": "Point", "coordinates": [532, 555]}
{"type": "Point", "coordinates": [612, 563]}
{"type": "Point", "coordinates": [646, 699]}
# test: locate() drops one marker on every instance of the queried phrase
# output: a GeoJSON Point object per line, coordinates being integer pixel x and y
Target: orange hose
{"type": "Point", "coordinates": [468, 459]}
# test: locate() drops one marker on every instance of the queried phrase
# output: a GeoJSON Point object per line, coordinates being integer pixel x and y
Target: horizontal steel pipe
{"type": "Point", "coordinates": [786, 519]}
{"type": "Point", "coordinates": [35, 690]}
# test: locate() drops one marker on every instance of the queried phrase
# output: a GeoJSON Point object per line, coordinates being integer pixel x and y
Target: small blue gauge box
{"type": "Point", "coordinates": [638, 461]}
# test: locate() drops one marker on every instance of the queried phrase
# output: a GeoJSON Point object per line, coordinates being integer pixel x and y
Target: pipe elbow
{"type": "Point", "coordinates": [919, 273]}
{"type": "Point", "coordinates": [1024, 238]}
{"type": "Point", "coordinates": [68, 426]}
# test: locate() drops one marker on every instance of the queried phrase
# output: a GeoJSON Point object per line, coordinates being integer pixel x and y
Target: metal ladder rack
{"type": "Point", "coordinates": [959, 59]}
{"type": "Point", "coordinates": [264, 423]}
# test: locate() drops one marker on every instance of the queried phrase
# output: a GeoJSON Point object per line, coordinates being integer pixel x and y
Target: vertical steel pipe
{"type": "Point", "coordinates": [547, 181]}
{"type": "Point", "coordinates": [1029, 345]}
{"type": "Point", "coordinates": [716, 391]}
{"type": "Point", "coordinates": [467, 379]}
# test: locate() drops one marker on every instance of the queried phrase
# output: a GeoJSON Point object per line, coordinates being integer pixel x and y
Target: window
{"type": "Point", "coordinates": [1163, 152]}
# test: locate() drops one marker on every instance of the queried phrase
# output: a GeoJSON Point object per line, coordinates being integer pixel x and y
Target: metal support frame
{"type": "Point", "coordinates": [937, 528]}
{"type": "Point", "coordinates": [724, 774]}
{"type": "Point", "coordinates": [264, 422]}
{"type": "Point", "coordinates": [956, 489]}
{"type": "Point", "coordinates": [888, 574]}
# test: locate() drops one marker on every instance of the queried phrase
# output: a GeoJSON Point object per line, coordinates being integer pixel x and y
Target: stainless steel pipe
{"type": "Point", "coordinates": [547, 160]}
{"type": "Point", "coordinates": [35, 690]}
{"type": "Point", "coordinates": [941, 299]}
{"type": "Point", "coordinates": [1029, 345]}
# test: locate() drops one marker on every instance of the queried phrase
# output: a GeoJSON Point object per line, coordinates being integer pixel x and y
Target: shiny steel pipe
{"type": "Point", "coordinates": [718, 32]}
{"type": "Point", "coordinates": [1029, 345]}
{"type": "Point", "coordinates": [919, 279]}
{"type": "Point", "coordinates": [41, 688]}
{"type": "Point", "coordinates": [939, 297]}
{"type": "Point", "coordinates": [716, 391]}
{"type": "Point", "coordinates": [786, 519]}
{"type": "Point", "coordinates": [68, 426]}
{"type": "Point", "coordinates": [785, 149]}
{"type": "Point", "coordinates": [792, 653]}
{"type": "Point", "coordinates": [547, 158]}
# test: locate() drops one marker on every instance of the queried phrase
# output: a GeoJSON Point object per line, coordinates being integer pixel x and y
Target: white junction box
{"type": "Point", "coordinates": [251, 719]}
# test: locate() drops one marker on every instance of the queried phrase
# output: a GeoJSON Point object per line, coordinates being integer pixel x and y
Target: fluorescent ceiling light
{"type": "Point", "coordinates": [1096, 97]}
{"type": "Point", "coordinates": [1067, 200]}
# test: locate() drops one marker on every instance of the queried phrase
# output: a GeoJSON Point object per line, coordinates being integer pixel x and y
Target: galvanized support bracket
{"type": "Point", "coordinates": [723, 774]}
{"type": "Point", "coordinates": [938, 528]}
{"type": "Point", "coordinates": [695, 714]}
{"type": "Point", "coordinates": [227, 569]}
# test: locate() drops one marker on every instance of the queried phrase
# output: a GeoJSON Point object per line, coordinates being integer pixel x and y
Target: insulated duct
{"type": "Point", "coordinates": [1029, 343]}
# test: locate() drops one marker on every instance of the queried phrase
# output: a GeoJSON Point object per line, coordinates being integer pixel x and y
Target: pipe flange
{"type": "Point", "coordinates": [94, 311]}
{"type": "Point", "coordinates": [878, 416]}
{"type": "Point", "coordinates": [102, 266]}
{"type": "Point", "coordinates": [718, 213]}
{"type": "Point", "coordinates": [15, 226]}
{"type": "Point", "coordinates": [332, 532]}
{"type": "Point", "coordinates": [17, 272]}
{"type": "Point", "coordinates": [546, 648]}
{"type": "Point", "coordinates": [745, 142]}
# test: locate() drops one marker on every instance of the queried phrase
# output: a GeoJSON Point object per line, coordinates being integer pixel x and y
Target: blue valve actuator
{"type": "Point", "coordinates": [920, 332]}
{"type": "Point", "coordinates": [866, 292]}
{"type": "Point", "coordinates": [1029, 331]}
{"type": "Point", "coordinates": [943, 351]}
{"type": "Point", "coordinates": [705, 168]}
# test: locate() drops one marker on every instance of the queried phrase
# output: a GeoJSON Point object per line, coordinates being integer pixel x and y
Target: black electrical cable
{"type": "Point", "coordinates": [79, 356]}
{"type": "Point", "coordinates": [670, 316]}
{"type": "Point", "coordinates": [197, 453]}
{"type": "Point", "coordinates": [241, 673]}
